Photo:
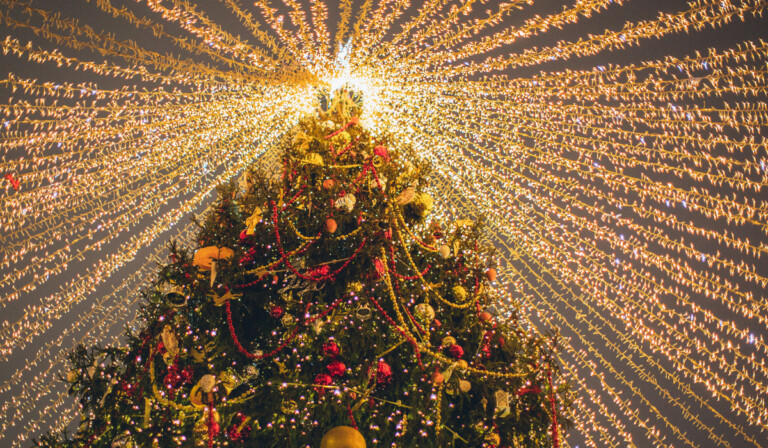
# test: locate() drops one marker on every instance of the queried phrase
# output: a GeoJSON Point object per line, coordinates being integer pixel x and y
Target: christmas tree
{"type": "Point", "coordinates": [325, 307]}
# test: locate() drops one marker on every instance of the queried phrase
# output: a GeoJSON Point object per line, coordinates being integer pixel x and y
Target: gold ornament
{"type": "Point", "coordinates": [170, 341]}
{"type": "Point", "coordinates": [289, 407]}
{"type": "Point", "coordinates": [314, 158]}
{"type": "Point", "coordinates": [493, 438]}
{"type": "Point", "coordinates": [206, 255]}
{"type": "Point", "coordinates": [376, 183]}
{"type": "Point", "coordinates": [341, 139]}
{"type": "Point", "coordinates": [423, 203]}
{"type": "Point", "coordinates": [406, 197]}
{"type": "Point", "coordinates": [346, 202]}
{"type": "Point", "coordinates": [448, 341]}
{"type": "Point", "coordinates": [343, 437]}
{"type": "Point", "coordinates": [73, 375]}
{"type": "Point", "coordinates": [459, 292]}
{"type": "Point", "coordinates": [465, 386]}
{"type": "Point", "coordinates": [445, 251]}
{"type": "Point", "coordinates": [252, 220]}
{"type": "Point", "coordinates": [490, 274]}
{"type": "Point", "coordinates": [424, 312]}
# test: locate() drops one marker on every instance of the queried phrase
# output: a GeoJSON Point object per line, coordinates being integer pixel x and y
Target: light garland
{"type": "Point", "coordinates": [626, 199]}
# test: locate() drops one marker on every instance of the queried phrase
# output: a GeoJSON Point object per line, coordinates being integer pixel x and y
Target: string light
{"type": "Point", "coordinates": [626, 199]}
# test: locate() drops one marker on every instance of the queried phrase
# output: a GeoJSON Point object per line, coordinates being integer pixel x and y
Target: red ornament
{"type": "Point", "coordinates": [383, 373]}
{"type": "Point", "coordinates": [243, 235]}
{"type": "Point", "coordinates": [331, 349]}
{"type": "Point", "coordinates": [491, 274]}
{"type": "Point", "coordinates": [336, 368]}
{"type": "Point", "coordinates": [322, 379]}
{"type": "Point", "coordinates": [14, 182]}
{"type": "Point", "coordinates": [485, 316]}
{"type": "Point", "coordinates": [330, 225]}
{"type": "Point", "coordinates": [456, 351]}
{"type": "Point", "coordinates": [382, 152]}
{"type": "Point", "coordinates": [277, 312]}
{"type": "Point", "coordinates": [381, 270]}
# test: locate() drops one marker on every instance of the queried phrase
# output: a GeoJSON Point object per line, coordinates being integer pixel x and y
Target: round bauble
{"type": "Point", "coordinates": [423, 204]}
{"type": "Point", "coordinates": [485, 317]}
{"type": "Point", "coordinates": [330, 225]}
{"type": "Point", "coordinates": [337, 368]}
{"type": "Point", "coordinates": [437, 378]}
{"type": "Point", "coordinates": [490, 274]}
{"type": "Point", "coordinates": [424, 312]}
{"type": "Point", "coordinates": [206, 255]}
{"type": "Point", "coordinates": [343, 437]}
{"type": "Point", "coordinates": [465, 386]}
{"type": "Point", "coordinates": [383, 373]}
{"type": "Point", "coordinates": [448, 341]}
{"type": "Point", "coordinates": [461, 364]}
{"type": "Point", "coordinates": [445, 251]}
{"type": "Point", "coordinates": [328, 184]}
{"type": "Point", "coordinates": [459, 292]}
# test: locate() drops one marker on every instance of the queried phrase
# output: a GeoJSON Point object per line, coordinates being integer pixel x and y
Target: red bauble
{"type": "Point", "coordinates": [485, 316]}
{"type": "Point", "coordinates": [491, 274]}
{"type": "Point", "coordinates": [456, 351]}
{"type": "Point", "coordinates": [328, 184]}
{"type": "Point", "coordinates": [383, 373]}
{"type": "Point", "coordinates": [322, 379]}
{"type": "Point", "coordinates": [330, 225]}
{"type": "Point", "coordinates": [336, 368]}
{"type": "Point", "coordinates": [331, 349]}
{"type": "Point", "coordinates": [277, 312]}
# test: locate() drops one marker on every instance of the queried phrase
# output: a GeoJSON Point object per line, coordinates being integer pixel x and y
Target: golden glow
{"type": "Point", "coordinates": [627, 200]}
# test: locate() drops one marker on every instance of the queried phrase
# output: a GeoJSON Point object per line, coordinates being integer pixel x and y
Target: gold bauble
{"type": "Point", "coordinates": [459, 292]}
{"type": "Point", "coordinates": [343, 437]}
{"type": "Point", "coordinates": [424, 312]}
{"type": "Point", "coordinates": [423, 203]}
{"type": "Point", "coordinates": [445, 251]}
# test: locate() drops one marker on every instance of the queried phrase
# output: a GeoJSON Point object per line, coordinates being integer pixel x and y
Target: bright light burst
{"type": "Point", "coordinates": [626, 194]}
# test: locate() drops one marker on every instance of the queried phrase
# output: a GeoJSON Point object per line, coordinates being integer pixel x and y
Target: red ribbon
{"type": "Point", "coordinates": [14, 182]}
